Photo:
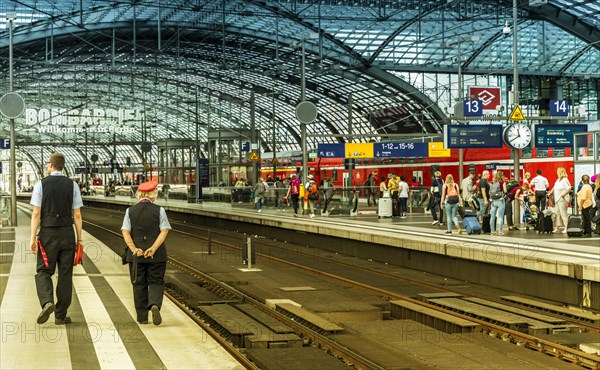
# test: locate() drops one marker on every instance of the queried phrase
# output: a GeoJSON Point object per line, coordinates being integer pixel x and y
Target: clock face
{"type": "Point", "coordinates": [517, 135]}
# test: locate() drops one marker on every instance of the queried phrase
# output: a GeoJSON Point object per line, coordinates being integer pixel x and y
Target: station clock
{"type": "Point", "coordinates": [517, 135]}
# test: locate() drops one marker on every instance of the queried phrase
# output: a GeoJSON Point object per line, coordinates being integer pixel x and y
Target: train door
{"type": "Point", "coordinates": [346, 183]}
{"type": "Point", "coordinates": [418, 175]}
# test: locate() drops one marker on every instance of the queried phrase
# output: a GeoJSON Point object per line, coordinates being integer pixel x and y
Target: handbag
{"type": "Point", "coordinates": [284, 201]}
{"type": "Point", "coordinates": [78, 254]}
{"type": "Point", "coordinates": [313, 196]}
{"type": "Point", "coordinates": [453, 199]}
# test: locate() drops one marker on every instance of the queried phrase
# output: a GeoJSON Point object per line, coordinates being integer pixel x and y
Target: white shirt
{"type": "Point", "coordinates": [560, 187]}
{"type": "Point", "coordinates": [540, 183]}
{"type": "Point", "coordinates": [404, 192]}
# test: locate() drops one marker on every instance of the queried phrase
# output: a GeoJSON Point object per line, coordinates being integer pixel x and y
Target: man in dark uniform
{"type": "Point", "coordinates": [56, 202]}
{"type": "Point", "coordinates": [145, 228]}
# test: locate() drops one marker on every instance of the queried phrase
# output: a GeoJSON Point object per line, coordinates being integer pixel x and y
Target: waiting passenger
{"type": "Point", "coordinates": [451, 199]}
{"type": "Point", "coordinates": [145, 228]}
{"type": "Point", "coordinates": [584, 204]}
{"type": "Point", "coordinates": [383, 189]}
{"type": "Point", "coordinates": [165, 190]}
{"type": "Point", "coordinates": [562, 188]}
{"type": "Point", "coordinates": [540, 186]}
{"type": "Point", "coordinates": [402, 197]}
{"type": "Point", "coordinates": [312, 194]}
{"type": "Point", "coordinates": [483, 194]}
{"type": "Point", "coordinates": [435, 203]}
{"type": "Point", "coordinates": [497, 194]}
{"type": "Point", "coordinates": [295, 193]}
{"type": "Point", "coordinates": [259, 193]}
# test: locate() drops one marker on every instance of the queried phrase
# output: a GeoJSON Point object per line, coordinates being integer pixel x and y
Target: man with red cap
{"type": "Point", "coordinates": [145, 228]}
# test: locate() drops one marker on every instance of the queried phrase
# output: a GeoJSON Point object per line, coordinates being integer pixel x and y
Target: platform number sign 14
{"type": "Point", "coordinates": [473, 108]}
{"type": "Point", "coordinates": [559, 108]}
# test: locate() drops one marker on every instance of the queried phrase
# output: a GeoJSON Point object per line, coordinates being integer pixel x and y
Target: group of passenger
{"type": "Point", "coordinates": [292, 190]}
{"type": "Point", "coordinates": [494, 199]}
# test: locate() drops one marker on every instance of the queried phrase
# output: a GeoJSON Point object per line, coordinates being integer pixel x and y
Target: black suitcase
{"type": "Point", "coordinates": [485, 225]}
{"type": "Point", "coordinates": [574, 226]}
{"type": "Point", "coordinates": [544, 224]}
{"type": "Point", "coordinates": [466, 212]}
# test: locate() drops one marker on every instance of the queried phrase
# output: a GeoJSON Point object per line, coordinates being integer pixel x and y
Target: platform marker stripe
{"type": "Point", "coordinates": [107, 341]}
{"type": "Point", "coordinates": [178, 342]}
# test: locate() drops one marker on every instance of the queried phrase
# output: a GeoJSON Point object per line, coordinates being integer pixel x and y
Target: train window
{"type": "Point", "coordinates": [334, 175]}
{"type": "Point", "coordinates": [412, 160]}
{"type": "Point", "coordinates": [323, 174]}
{"type": "Point", "coordinates": [526, 153]}
{"type": "Point", "coordinates": [558, 152]}
{"type": "Point", "coordinates": [541, 153]}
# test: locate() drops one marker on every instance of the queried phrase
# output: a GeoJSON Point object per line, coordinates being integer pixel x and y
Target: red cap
{"type": "Point", "coordinates": [148, 186]}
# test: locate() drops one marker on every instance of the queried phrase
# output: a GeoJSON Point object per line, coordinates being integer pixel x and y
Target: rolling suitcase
{"type": "Point", "coordinates": [384, 207]}
{"type": "Point", "coordinates": [485, 226]}
{"type": "Point", "coordinates": [574, 226]}
{"type": "Point", "coordinates": [471, 225]}
{"type": "Point", "coordinates": [465, 212]}
{"type": "Point", "coordinates": [544, 224]}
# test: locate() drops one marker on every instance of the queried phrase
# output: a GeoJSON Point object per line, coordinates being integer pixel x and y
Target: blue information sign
{"type": "Point", "coordinates": [4, 143]}
{"type": "Point", "coordinates": [559, 108]}
{"type": "Point", "coordinates": [557, 136]}
{"type": "Point", "coordinates": [474, 136]}
{"type": "Point", "coordinates": [244, 146]}
{"type": "Point", "coordinates": [473, 108]}
{"type": "Point", "coordinates": [331, 151]}
{"type": "Point", "coordinates": [398, 150]}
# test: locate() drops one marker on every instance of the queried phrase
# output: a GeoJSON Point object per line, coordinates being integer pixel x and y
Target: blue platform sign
{"type": "Point", "coordinates": [4, 143]}
{"type": "Point", "coordinates": [473, 108]}
{"type": "Point", "coordinates": [331, 151]}
{"type": "Point", "coordinates": [473, 136]}
{"type": "Point", "coordinates": [559, 108]}
{"type": "Point", "coordinates": [244, 146]}
{"type": "Point", "coordinates": [399, 150]}
{"type": "Point", "coordinates": [557, 136]}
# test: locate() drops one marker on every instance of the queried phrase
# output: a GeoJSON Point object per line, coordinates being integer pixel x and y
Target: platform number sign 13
{"type": "Point", "coordinates": [473, 108]}
{"type": "Point", "coordinates": [559, 108]}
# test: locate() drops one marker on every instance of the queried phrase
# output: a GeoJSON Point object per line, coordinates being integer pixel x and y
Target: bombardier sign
{"type": "Point", "coordinates": [489, 96]}
{"type": "Point", "coordinates": [60, 120]}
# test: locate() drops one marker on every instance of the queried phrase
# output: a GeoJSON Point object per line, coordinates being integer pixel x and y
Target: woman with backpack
{"type": "Point", "coordinates": [451, 199]}
{"type": "Point", "coordinates": [497, 194]}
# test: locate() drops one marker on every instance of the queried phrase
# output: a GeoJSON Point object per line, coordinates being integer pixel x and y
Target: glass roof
{"type": "Point", "coordinates": [153, 55]}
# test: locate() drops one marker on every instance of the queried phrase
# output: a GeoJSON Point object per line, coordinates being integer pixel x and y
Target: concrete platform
{"type": "Point", "coordinates": [104, 332]}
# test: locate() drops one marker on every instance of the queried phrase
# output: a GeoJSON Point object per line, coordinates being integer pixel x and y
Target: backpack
{"type": "Point", "coordinates": [511, 185]}
{"type": "Point", "coordinates": [451, 190]}
{"type": "Point", "coordinates": [496, 191]}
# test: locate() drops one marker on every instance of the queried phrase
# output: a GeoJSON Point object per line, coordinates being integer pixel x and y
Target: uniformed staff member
{"type": "Point", "coordinates": [145, 228]}
{"type": "Point", "coordinates": [56, 202]}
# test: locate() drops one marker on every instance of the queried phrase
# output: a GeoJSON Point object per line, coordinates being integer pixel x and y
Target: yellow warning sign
{"type": "Point", "coordinates": [516, 114]}
{"type": "Point", "coordinates": [436, 149]}
{"type": "Point", "coordinates": [254, 156]}
{"type": "Point", "coordinates": [275, 161]}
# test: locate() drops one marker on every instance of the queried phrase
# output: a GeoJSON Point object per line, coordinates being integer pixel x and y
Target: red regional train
{"type": "Point", "coordinates": [423, 168]}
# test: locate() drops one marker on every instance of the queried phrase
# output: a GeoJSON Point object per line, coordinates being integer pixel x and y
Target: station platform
{"type": "Point", "coordinates": [551, 266]}
{"type": "Point", "coordinates": [104, 333]}
{"type": "Point", "coordinates": [526, 249]}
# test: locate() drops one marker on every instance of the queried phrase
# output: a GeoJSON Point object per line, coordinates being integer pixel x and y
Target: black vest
{"type": "Point", "coordinates": [57, 201]}
{"type": "Point", "coordinates": [145, 228]}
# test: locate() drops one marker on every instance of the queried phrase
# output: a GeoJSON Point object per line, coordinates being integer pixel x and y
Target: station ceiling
{"type": "Point", "coordinates": [197, 65]}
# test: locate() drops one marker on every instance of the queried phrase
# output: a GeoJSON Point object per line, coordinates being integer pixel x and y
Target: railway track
{"type": "Point", "coordinates": [503, 333]}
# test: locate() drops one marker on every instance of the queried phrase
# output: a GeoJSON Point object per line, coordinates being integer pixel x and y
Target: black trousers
{"type": "Point", "coordinates": [148, 286]}
{"type": "Point", "coordinates": [59, 244]}
{"type": "Point", "coordinates": [540, 199]}
{"type": "Point", "coordinates": [586, 220]}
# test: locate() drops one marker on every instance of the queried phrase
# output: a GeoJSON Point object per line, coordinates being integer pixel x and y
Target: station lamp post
{"type": "Point", "coordinates": [306, 111]}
